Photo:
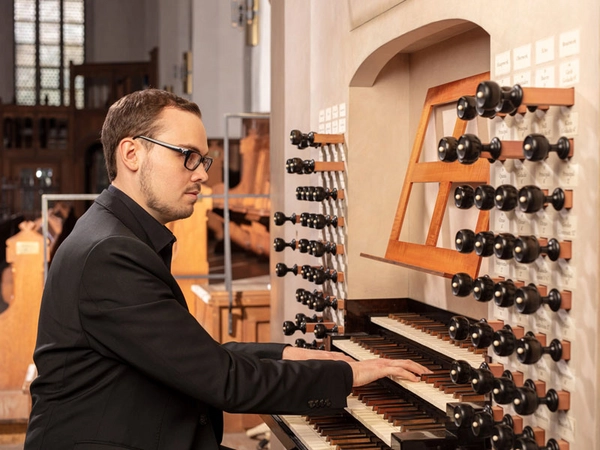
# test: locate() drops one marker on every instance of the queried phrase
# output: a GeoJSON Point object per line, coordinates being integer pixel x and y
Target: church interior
{"type": "Point", "coordinates": [391, 179]}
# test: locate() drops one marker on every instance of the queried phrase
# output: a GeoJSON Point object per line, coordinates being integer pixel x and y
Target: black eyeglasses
{"type": "Point", "coordinates": [192, 158]}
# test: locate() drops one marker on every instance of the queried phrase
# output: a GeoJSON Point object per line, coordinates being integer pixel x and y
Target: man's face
{"type": "Point", "coordinates": [169, 190]}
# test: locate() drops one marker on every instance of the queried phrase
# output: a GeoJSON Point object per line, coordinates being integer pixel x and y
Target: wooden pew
{"type": "Point", "coordinates": [19, 327]}
{"type": "Point", "coordinates": [190, 255]}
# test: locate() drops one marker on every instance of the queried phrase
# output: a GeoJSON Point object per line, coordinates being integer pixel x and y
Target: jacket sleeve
{"type": "Point", "coordinates": [267, 350]}
{"type": "Point", "coordinates": [129, 312]}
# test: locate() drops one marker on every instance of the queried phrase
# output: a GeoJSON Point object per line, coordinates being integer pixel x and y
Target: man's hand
{"type": "Point", "coordinates": [364, 372]}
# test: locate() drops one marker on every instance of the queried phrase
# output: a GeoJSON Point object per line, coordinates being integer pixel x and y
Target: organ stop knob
{"type": "Point", "coordinates": [530, 350]}
{"type": "Point", "coordinates": [528, 299]}
{"type": "Point", "coordinates": [459, 328]}
{"type": "Point", "coordinates": [503, 245]}
{"type": "Point", "coordinates": [526, 443]}
{"type": "Point", "coordinates": [483, 422]}
{"type": "Point", "coordinates": [279, 244]}
{"type": "Point", "coordinates": [533, 199]}
{"type": "Point", "coordinates": [464, 196]}
{"type": "Point", "coordinates": [527, 249]}
{"type": "Point", "coordinates": [460, 372]}
{"type": "Point", "coordinates": [536, 147]}
{"type": "Point", "coordinates": [484, 197]}
{"type": "Point", "coordinates": [282, 270]}
{"type": "Point", "coordinates": [280, 218]}
{"type": "Point", "coordinates": [447, 149]}
{"type": "Point", "coordinates": [526, 399]}
{"type": "Point", "coordinates": [490, 96]}
{"type": "Point", "coordinates": [465, 241]}
{"type": "Point", "coordinates": [504, 437]}
{"type": "Point", "coordinates": [504, 388]}
{"type": "Point", "coordinates": [505, 293]}
{"type": "Point", "coordinates": [466, 107]}
{"type": "Point", "coordinates": [470, 148]}
{"type": "Point", "coordinates": [484, 243]}
{"type": "Point", "coordinates": [504, 342]}
{"type": "Point", "coordinates": [506, 197]}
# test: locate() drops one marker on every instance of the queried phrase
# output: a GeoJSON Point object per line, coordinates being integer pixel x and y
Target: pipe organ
{"type": "Point", "coordinates": [465, 253]}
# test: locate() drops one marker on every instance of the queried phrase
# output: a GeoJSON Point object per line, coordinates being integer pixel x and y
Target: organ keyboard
{"type": "Point", "coordinates": [394, 412]}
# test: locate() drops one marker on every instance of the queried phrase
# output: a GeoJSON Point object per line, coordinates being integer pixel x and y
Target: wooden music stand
{"type": "Point", "coordinates": [428, 257]}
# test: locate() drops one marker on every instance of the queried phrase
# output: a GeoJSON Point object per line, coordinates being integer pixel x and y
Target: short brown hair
{"type": "Point", "coordinates": [136, 114]}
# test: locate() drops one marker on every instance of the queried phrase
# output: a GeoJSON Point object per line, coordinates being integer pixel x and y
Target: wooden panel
{"type": "Point", "coordinates": [19, 321]}
{"type": "Point", "coordinates": [251, 323]}
{"type": "Point", "coordinates": [190, 252]}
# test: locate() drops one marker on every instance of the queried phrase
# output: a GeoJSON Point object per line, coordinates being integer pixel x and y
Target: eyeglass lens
{"type": "Point", "coordinates": [193, 160]}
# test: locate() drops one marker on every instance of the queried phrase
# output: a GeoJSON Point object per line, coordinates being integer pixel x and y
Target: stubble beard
{"type": "Point", "coordinates": [167, 212]}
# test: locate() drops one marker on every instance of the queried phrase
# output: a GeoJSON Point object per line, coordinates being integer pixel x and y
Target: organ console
{"type": "Point", "coordinates": [473, 362]}
{"type": "Point", "coordinates": [392, 409]}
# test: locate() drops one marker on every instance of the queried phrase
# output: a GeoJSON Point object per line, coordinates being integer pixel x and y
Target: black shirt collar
{"type": "Point", "coordinates": [158, 236]}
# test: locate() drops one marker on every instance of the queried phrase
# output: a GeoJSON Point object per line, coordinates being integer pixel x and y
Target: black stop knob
{"type": "Point", "coordinates": [482, 334]}
{"type": "Point", "coordinates": [504, 390]}
{"type": "Point", "coordinates": [459, 328]}
{"type": "Point", "coordinates": [506, 197]}
{"type": "Point", "coordinates": [530, 350]}
{"type": "Point", "coordinates": [532, 199]}
{"type": "Point", "coordinates": [462, 284]}
{"type": "Point", "coordinates": [528, 299]}
{"type": "Point", "coordinates": [282, 270]}
{"type": "Point", "coordinates": [483, 288]}
{"type": "Point", "coordinates": [465, 241]}
{"type": "Point", "coordinates": [527, 249]}
{"type": "Point", "coordinates": [290, 327]}
{"type": "Point", "coordinates": [505, 293]}
{"type": "Point", "coordinates": [482, 381]}
{"type": "Point", "coordinates": [463, 415]}
{"type": "Point", "coordinates": [279, 244]}
{"type": "Point", "coordinates": [484, 243]}
{"type": "Point", "coordinates": [536, 147]}
{"type": "Point", "coordinates": [464, 196]}
{"type": "Point", "coordinates": [447, 149]}
{"type": "Point", "coordinates": [280, 218]}
{"type": "Point", "coordinates": [504, 342]}
{"type": "Point", "coordinates": [503, 245]}
{"type": "Point", "coordinates": [299, 139]}
{"type": "Point", "coordinates": [460, 372]}
{"type": "Point", "coordinates": [526, 400]}
{"type": "Point", "coordinates": [484, 197]}
{"type": "Point", "coordinates": [469, 149]}
{"type": "Point", "coordinates": [466, 107]}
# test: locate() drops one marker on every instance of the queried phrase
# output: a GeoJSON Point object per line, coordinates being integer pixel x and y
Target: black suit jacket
{"type": "Point", "coordinates": [122, 363]}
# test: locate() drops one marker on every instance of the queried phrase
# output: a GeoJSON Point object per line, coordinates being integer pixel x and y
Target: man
{"type": "Point", "coordinates": [122, 363]}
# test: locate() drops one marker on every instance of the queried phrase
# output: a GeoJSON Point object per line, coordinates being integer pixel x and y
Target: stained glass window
{"type": "Point", "coordinates": [49, 34]}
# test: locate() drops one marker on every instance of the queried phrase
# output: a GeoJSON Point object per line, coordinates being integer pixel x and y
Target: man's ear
{"type": "Point", "coordinates": [128, 153]}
